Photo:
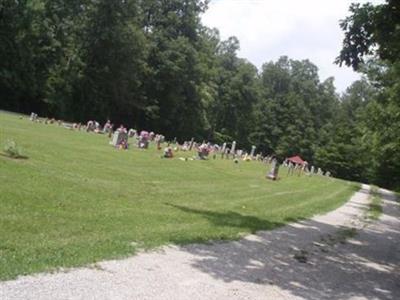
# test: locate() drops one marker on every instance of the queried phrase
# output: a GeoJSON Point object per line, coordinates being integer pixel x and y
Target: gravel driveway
{"type": "Point", "coordinates": [340, 255]}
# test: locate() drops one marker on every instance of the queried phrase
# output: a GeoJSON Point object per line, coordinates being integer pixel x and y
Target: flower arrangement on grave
{"type": "Point", "coordinates": [168, 152]}
{"type": "Point", "coordinates": [143, 140]}
{"type": "Point", "coordinates": [203, 151]}
{"type": "Point", "coordinates": [123, 145]}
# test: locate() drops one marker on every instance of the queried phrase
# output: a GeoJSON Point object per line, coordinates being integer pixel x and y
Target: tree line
{"type": "Point", "coordinates": [152, 64]}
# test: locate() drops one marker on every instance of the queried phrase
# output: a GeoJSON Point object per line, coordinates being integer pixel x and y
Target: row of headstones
{"type": "Point", "coordinates": [35, 118]}
{"type": "Point", "coordinates": [120, 138]}
{"type": "Point", "coordinates": [292, 167]}
{"type": "Point", "coordinates": [273, 173]}
{"type": "Point", "coordinates": [121, 135]}
{"type": "Point", "coordinates": [233, 153]}
{"type": "Point", "coordinates": [90, 126]}
{"type": "Point", "coordinates": [204, 149]}
{"type": "Point", "coordinates": [94, 126]}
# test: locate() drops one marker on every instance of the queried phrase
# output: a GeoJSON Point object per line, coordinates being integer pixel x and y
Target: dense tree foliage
{"type": "Point", "coordinates": [372, 46]}
{"type": "Point", "coordinates": [152, 64]}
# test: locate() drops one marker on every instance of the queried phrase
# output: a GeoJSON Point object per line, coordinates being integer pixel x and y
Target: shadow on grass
{"type": "Point", "coordinates": [13, 157]}
{"type": "Point", "coordinates": [232, 219]}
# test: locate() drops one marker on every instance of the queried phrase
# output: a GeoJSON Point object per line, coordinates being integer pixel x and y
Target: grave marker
{"type": "Point", "coordinates": [191, 144]}
{"type": "Point", "coordinates": [233, 149]}
{"type": "Point", "coordinates": [253, 149]}
{"type": "Point", "coordinates": [273, 173]}
{"type": "Point", "coordinates": [119, 137]}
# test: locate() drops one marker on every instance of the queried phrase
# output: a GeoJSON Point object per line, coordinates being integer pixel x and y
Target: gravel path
{"type": "Point", "coordinates": [314, 259]}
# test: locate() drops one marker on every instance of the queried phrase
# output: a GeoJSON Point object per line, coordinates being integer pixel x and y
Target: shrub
{"type": "Point", "coordinates": [11, 149]}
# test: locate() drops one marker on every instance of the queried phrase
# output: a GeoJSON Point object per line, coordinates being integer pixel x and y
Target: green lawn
{"type": "Point", "coordinates": [77, 200]}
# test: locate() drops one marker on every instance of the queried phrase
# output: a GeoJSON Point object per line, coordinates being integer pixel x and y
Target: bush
{"type": "Point", "coordinates": [221, 138]}
{"type": "Point", "coordinates": [11, 149]}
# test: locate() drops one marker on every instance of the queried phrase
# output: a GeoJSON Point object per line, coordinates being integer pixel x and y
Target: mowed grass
{"type": "Point", "coordinates": [77, 200]}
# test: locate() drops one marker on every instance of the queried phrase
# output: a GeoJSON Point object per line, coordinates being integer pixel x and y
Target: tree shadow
{"type": "Point", "coordinates": [18, 157]}
{"type": "Point", "coordinates": [304, 259]}
{"type": "Point", "coordinates": [230, 219]}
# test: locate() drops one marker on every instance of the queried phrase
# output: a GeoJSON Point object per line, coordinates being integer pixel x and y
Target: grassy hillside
{"type": "Point", "coordinates": [77, 200]}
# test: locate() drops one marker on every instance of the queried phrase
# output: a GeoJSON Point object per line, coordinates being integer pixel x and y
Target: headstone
{"type": "Point", "coordinates": [320, 172]}
{"type": "Point", "coordinates": [168, 152]}
{"type": "Point", "coordinates": [203, 151]}
{"type": "Point", "coordinates": [304, 168]}
{"type": "Point", "coordinates": [143, 142]}
{"type": "Point", "coordinates": [233, 149]}
{"type": "Point", "coordinates": [131, 132]}
{"type": "Point", "coordinates": [159, 138]}
{"type": "Point", "coordinates": [223, 147]}
{"type": "Point", "coordinates": [107, 127]}
{"type": "Point", "coordinates": [151, 136]}
{"type": "Point", "coordinates": [290, 168]}
{"type": "Point", "coordinates": [273, 173]}
{"type": "Point", "coordinates": [33, 117]}
{"type": "Point", "coordinates": [120, 137]}
{"type": "Point", "coordinates": [191, 144]}
{"type": "Point", "coordinates": [253, 149]}
{"type": "Point", "coordinates": [90, 126]}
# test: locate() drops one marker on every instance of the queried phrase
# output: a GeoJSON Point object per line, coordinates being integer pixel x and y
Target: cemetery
{"type": "Point", "coordinates": [200, 149]}
{"type": "Point", "coordinates": [82, 197]}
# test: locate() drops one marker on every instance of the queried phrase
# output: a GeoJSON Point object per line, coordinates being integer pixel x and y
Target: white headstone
{"type": "Point", "coordinates": [320, 172]}
{"type": "Point", "coordinates": [223, 147]}
{"type": "Point", "coordinates": [253, 149]}
{"type": "Point", "coordinates": [131, 132]}
{"type": "Point", "coordinates": [233, 148]}
{"type": "Point", "coordinates": [119, 137]}
{"type": "Point", "coordinates": [273, 173]}
{"type": "Point", "coordinates": [33, 117]}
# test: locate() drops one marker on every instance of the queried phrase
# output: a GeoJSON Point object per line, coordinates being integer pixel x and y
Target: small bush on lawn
{"type": "Point", "coordinates": [11, 149]}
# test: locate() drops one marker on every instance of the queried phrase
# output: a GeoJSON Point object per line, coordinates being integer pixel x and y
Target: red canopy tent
{"type": "Point", "coordinates": [296, 160]}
